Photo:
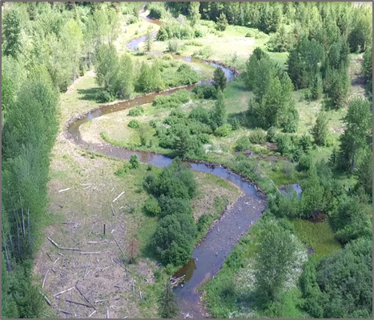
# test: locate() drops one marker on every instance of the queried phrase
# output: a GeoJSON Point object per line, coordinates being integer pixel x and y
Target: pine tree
{"type": "Point", "coordinates": [168, 305]}
{"type": "Point", "coordinates": [222, 22]}
{"type": "Point", "coordinates": [219, 114]}
{"type": "Point", "coordinates": [320, 129]}
{"type": "Point", "coordinates": [219, 79]}
{"type": "Point", "coordinates": [11, 33]}
{"type": "Point", "coordinates": [148, 41]}
{"type": "Point", "coordinates": [358, 124]}
{"type": "Point", "coordinates": [316, 89]}
{"type": "Point", "coordinates": [194, 12]}
{"type": "Point", "coordinates": [144, 83]}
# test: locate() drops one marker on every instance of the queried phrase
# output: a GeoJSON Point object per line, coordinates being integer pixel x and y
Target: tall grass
{"type": "Point", "coordinates": [318, 235]}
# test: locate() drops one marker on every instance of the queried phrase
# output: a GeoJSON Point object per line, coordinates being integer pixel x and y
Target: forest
{"type": "Point", "coordinates": [139, 136]}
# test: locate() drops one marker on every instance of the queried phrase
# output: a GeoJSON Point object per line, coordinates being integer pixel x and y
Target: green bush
{"type": "Point", "coordinates": [200, 114]}
{"type": "Point", "coordinates": [205, 91]}
{"type": "Point", "coordinates": [257, 136]}
{"type": "Point", "coordinates": [134, 124]}
{"type": "Point", "coordinates": [305, 162]}
{"type": "Point", "coordinates": [242, 144]}
{"type": "Point", "coordinates": [152, 207]}
{"type": "Point", "coordinates": [205, 52]}
{"type": "Point", "coordinates": [134, 162]}
{"type": "Point", "coordinates": [153, 123]}
{"type": "Point", "coordinates": [174, 206]}
{"type": "Point", "coordinates": [259, 149]}
{"type": "Point", "coordinates": [167, 57]}
{"type": "Point", "coordinates": [172, 101]}
{"type": "Point", "coordinates": [235, 123]}
{"type": "Point", "coordinates": [174, 238]}
{"type": "Point", "coordinates": [223, 131]}
{"type": "Point", "coordinates": [136, 111]}
{"type": "Point", "coordinates": [271, 134]}
{"type": "Point", "coordinates": [173, 45]}
{"type": "Point", "coordinates": [284, 144]}
{"type": "Point", "coordinates": [105, 96]}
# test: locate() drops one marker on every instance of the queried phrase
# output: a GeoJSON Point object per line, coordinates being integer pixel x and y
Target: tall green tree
{"type": "Point", "coordinates": [338, 87]}
{"type": "Point", "coordinates": [320, 129]}
{"type": "Point", "coordinates": [364, 171]}
{"type": "Point", "coordinates": [107, 65]}
{"type": "Point", "coordinates": [72, 38]}
{"type": "Point", "coordinates": [125, 84]}
{"type": "Point", "coordinates": [367, 68]}
{"type": "Point", "coordinates": [345, 279]}
{"type": "Point", "coordinates": [194, 13]}
{"type": "Point", "coordinates": [219, 112]}
{"type": "Point", "coordinates": [313, 192]}
{"type": "Point", "coordinates": [276, 255]}
{"type": "Point", "coordinates": [11, 33]}
{"type": "Point", "coordinates": [219, 79]}
{"type": "Point", "coordinates": [222, 22]}
{"type": "Point", "coordinates": [168, 305]}
{"type": "Point", "coordinates": [148, 41]}
{"type": "Point", "coordinates": [358, 124]}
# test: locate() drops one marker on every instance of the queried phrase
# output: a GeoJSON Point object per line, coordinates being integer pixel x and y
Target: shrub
{"type": "Point", "coordinates": [205, 52]}
{"type": "Point", "coordinates": [152, 207]}
{"type": "Point", "coordinates": [198, 34]}
{"type": "Point", "coordinates": [136, 111]}
{"type": "Point", "coordinates": [257, 136]}
{"type": "Point", "coordinates": [242, 144]}
{"type": "Point", "coordinates": [172, 101]}
{"type": "Point", "coordinates": [205, 92]}
{"type": "Point", "coordinates": [167, 57]}
{"type": "Point", "coordinates": [284, 144]}
{"type": "Point", "coordinates": [235, 123]}
{"type": "Point", "coordinates": [134, 162]}
{"type": "Point", "coordinates": [153, 123]}
{"type": "Point", "coordinates": [173, 45]}
{"type": "Point", "coordinates": [187, 75]}
{"type": "Point", "coordinates": [305, 142]}
{"type": "Point", "coordinates": [288, 170]}
{"type": "Point", "coordinates": [156, 12]}
{"type": "Point", "coordinates": [200, 114]}
{"type": "Point", "coordinates": [305, 162]}
{"type": "Point", "coordinates": [270, 136]}
{"type": "Point", "coordinates": [105, 96]}
{"type": "Point", "coordinates": [223, 131]}
{"type": "Point", "coordinates": [174, 206]}
{"type": "Point", "coordinates": [174, 239]}
{"type": "Point", "coordinates": [134, 124]}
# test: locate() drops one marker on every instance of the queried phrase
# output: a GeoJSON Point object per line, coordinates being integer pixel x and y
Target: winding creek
{"type": "Point", "coordinates": [209, 255]}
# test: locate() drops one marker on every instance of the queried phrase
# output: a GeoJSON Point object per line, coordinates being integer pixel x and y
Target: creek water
{"type": "Point", "coordinates": [209, 255]}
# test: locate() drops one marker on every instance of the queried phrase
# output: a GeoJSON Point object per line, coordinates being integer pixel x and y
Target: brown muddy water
{"type": "Point", "coordinates": [208, 256]}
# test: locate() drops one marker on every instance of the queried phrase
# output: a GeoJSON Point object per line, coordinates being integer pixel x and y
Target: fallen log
{"type": "Point", "coordinates": [62, 248]}
{"type": "Point", "coordinates": [119, 196]}
{"type": "Point", "coordinates": [91, 252]}
{"type": "Point", "coordinates": [45, 277]}
{"type": "Point", "coordinates": [85, 298]}
{"type": "Point", "coordinates": [63, 311]}
{"type": "Point", "coordinates": [92, 314]}
{"type": "Point", "coordinates": [61, 292]}
{"type": "Point", "coordinates": [45, 297]}
{"type": "Point", "coordinates": [79, 303]}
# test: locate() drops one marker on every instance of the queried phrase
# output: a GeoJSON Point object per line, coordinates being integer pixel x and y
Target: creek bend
{"type": "Point", "coordinates": [209, 255]}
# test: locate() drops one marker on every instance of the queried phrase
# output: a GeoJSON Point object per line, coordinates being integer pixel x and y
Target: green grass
{"type": "Point", "coordinates": [318, 235]}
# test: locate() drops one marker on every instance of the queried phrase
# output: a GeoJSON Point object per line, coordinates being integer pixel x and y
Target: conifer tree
{"type": "Point", "coordinates": [168, 305]}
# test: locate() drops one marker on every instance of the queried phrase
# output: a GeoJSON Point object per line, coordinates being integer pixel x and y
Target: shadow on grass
{"type": "Point", "coordinates": [90, 94]}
